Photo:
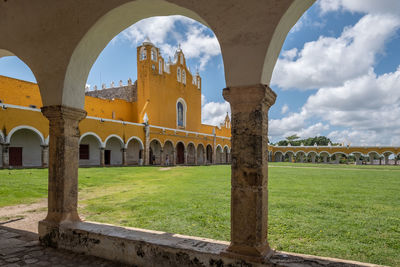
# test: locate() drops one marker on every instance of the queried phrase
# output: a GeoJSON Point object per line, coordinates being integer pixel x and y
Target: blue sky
{"type": "Point", "coordinates": [337, 75]}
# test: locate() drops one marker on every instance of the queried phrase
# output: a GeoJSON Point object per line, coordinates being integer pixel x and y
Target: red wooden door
{"type": "Point", "coordinates": [15, 156]}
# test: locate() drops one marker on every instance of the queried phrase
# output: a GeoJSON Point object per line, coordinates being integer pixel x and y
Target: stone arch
{"type": "Point", "coordinates": [17, 128]}
{"type": "Point", "coordinates": [134, 151]}
{"type": "Point", "coordinates": [90, 145]}
{"type": "Point", "coordinates": [191, 153]}
{"type": "Point", "coordinates": [155, 152]}
{"type": "Point", "coordinates": [300, 156]}
{"type": "Point", "coordinates": [226, 156]}
{"type": "Point", "coordinates": [287, 21]}
{"type": "Point", "coordinates": [25, 147]}
{"type": "Point", "coordinates": [113, 150]}
{"type": "Point", "coordinates": [219, 154]}
{"type": "Point", "coordinates": [180, 152]}
{"type": "Point", "coordinates": [209, 154]}
{"type": "Point", "coordinates": [200, 154]}
{"type": "Point", "coordinates": [94, 135]}
{"type": "Point", "coordinates": [102, 32]}
{"type": "Point", "coordinates": [289, 155]}
{"type": "Point", "coordinates": [312, 156]}
{"type": "Point", "coordinates": [168, 149]}
{"type": "Point", "coordinates": [278, 156]}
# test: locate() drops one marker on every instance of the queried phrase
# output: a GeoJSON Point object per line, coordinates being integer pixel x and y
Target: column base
{"type": "Point", "coordinates": [259, 255]}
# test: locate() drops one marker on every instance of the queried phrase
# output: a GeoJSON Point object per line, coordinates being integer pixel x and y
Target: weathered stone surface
{"type": "Point", "coordinates": [140, 247]}
{"type": "Point", "coordinates": [41, 256]}
{"type": "Point", "coordinates": [63, 162]}
{"type": "Point", "coordinates": [128, 93]}
{"type": "Point", "coordinates": [249, 196]}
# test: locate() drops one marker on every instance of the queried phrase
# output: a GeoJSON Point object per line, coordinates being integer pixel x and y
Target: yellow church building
{"type": "Point", "coordinates": [153, 121]}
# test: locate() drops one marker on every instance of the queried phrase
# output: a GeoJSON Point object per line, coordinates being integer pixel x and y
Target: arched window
{"type": "Point", "coordinates": [160, 70]}
{"type": "Point", "coordinates": [143, 53]}
{"type": "Point", "coordinates": [181, 113]}
{"type": "Point", "coordinates": [181, 59]}
{"type": "Point", "coordinates": [153, 54]}
{"type": "Point", "coordinates": [198, 82]}
{"type": "Point", "coordinates": [178, 73]}
{"type": "Point", "coordinates": [184, 76]}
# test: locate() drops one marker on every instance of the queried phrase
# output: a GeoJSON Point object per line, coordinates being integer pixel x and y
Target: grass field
{"type": "Point", "coordinates": [344, 211]}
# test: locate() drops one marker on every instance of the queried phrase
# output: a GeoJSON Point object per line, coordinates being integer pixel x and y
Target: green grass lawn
{"type": "Point", "coordinates": [344, 211]}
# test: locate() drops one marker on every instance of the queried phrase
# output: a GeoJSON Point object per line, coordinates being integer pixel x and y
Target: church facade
{"type": "Point", "coordinates": [155, 120]}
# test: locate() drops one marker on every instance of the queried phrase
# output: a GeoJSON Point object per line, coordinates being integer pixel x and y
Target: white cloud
{"type": "Point", "coordinates": [213, 113]}
{"type": "Point", "coordinates": [285, 108]}
{"type": "Point", "coordinates": [197, 42]}
{"type": "Point", "coordinates": [367, 106]}
{"type": "Point", "coordinates": [363, 6]}
{"type": "Point", "coordinates": [329, 61]}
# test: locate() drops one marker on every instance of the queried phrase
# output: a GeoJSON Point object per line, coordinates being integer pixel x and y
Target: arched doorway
{"type": "Point", "coordinates": [113, 151]}
{"type": "Point", "coordinates": [219, 155]}
{"type": "Point", "coordinates": [155, 152]}
{"type": "Point", "coordinates": [134, 152]}
{"type": "Point", "coordinates": [191, 151]}
{"type": "Point", "coordinates": [226, 155]}
{"type": "Point", "coordinates": [200, 154]}
{"type": "Point", "coordinates": [89, 150]}
{"type": "Point", "coordinates": [209, 154]}
{"type": "Point", "coordinates": [25, 148]}
{"type": "Point", "coordinates": [168, 153]}
{"type": "Point", "coordinates": [180, 153]}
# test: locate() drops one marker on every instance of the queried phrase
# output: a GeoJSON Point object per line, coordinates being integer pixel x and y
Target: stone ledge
{"type": "Point", "coordinates": [153, 248]}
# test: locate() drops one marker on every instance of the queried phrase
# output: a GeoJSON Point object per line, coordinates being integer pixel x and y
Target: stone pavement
{"type": "Point", "coordinates": [21, 248]}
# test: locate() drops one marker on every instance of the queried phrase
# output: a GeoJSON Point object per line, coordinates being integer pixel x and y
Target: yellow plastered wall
{"type": "Point", "coordinates": [18, 92]}
{"type": "Point", "coordinates": [158, 93]}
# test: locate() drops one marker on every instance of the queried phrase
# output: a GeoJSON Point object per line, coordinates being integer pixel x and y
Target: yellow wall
{"type": "Point", "coordinates": [158, 93]}
{"type": "Point", "coordinates": [18, 92]}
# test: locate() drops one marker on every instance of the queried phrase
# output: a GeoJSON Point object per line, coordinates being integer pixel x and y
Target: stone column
{"type": "Point", "coordinates": [249, 170]}
{"type": "Point", "coordinates": [301, 158]}
{"type": "Point", "coordinates": [371, 159]}
{"type": "Point", "coordinates": [6, 156]}
{"type": "Point", "coordinates": [325, 157]}
{"type": "Point", "coordinates": [45, 156]}
{"type": "Point", "coordinates": [204, 157]}
{"type": "Point", "coordinates": [290, 158]}
{"type": "Point", "coordinates": [162, 160]}
{"type": "Point", "coordinates": [214, 154]}
{"type": "Point", "coordinates": [63, 163]}
{"type": "Point", "coordinates": [386, 159]}
{"type": "Point", "coordinates": [146, 151]}
{"type": "Point", "coordinates": [337, 159]}
{"type": "Point", "coordinates": [174, 159]}
{"type": "Point", "coordinates": [357, 156]}
{"type": "Point", "coordinates": [313, 158]}
{"type": "Point", "coordinates": [102, 157]}
{"type": "Point", "coordinates": [124, 157]}
{"type": "Point", "coordinates": [195, 157]}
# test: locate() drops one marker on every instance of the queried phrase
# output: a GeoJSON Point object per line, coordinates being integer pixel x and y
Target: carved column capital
{"type": "Point", "coordinates": [61, 112]}
{"type": "Point", "coordinates": [248, 97]}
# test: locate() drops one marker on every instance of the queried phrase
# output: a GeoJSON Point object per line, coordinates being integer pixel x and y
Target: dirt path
{"type": "Point", "coordinates": [24, 216]}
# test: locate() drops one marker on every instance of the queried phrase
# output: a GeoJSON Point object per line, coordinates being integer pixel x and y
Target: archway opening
{"type": "Point", "coordinates": [25, 149]}
{"type": "Point", "coordinates": [134, 152]}
{"type": "Point", "coordinates": [155, 152]}
{"type": "Point", "coordinates": [180, 153]}
{"type": "Point", "coordinates": [89, 151]}
{"type": "Point", "coordinates": [113, 151]}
